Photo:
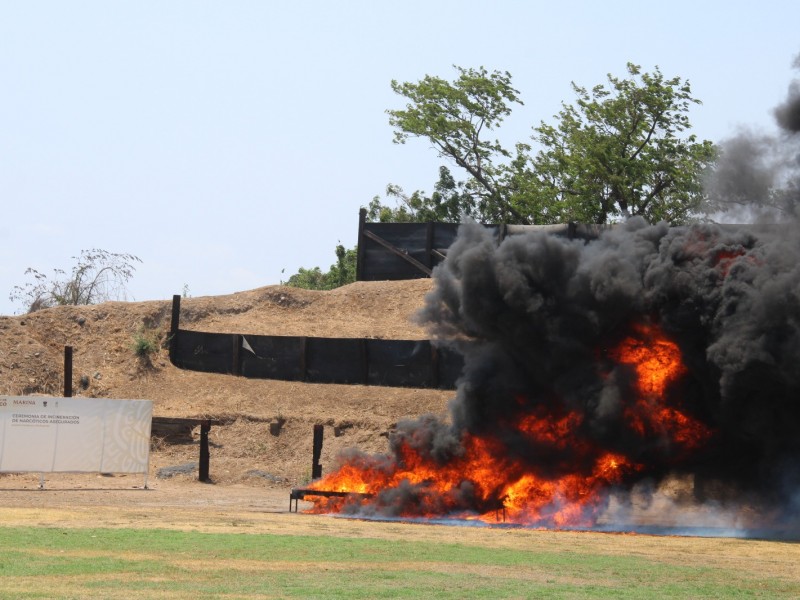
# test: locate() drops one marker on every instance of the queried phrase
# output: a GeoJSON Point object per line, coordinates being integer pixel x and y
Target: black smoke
{"type": "Point", "coordinates": [535, 315]}
{"type": "Point", "coordinates": [787, 114]}
{"type": "Point", "coordinates": [538, 317]}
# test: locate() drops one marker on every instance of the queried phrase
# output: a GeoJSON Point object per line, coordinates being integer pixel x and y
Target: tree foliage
{"type": "Point", "coordinates": [342, 272]}
{"type": "Point", "coordinates": [621, 149]}
{"type": "Point", "coordinates": [97, 276]}
{"type": "Point", "coordinates": [455, 117]}
{"type": "Point", "coordinates": [449, 203]}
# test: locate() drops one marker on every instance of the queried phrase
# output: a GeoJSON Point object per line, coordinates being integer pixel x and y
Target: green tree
{"type": "Point", "coordinates": [97, 276]}
{"type": "Point", "coordinates": [454, 117]}
{"type": "Point", "coordinates": [342, 272]}
{"type": "Point", "coordinates": [620, 150]}
{"type": "Point", "coordinates": [450, 202]}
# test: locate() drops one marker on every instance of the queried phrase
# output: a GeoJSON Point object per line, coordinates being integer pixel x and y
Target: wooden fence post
{"type": "Point", "coordinates": [173, 329]}
{"type": "Point", "coordinates": [316, 468]}
{"type": "Point", "coordinates": [205, 455]}
{"type": "Point", "coordinates": [361, 249]}
{"type": "Point", "coordinates": [67, 371]}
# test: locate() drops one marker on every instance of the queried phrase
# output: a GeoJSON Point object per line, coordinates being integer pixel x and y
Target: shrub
{"type": "Point", "coordinates": [145, 343]}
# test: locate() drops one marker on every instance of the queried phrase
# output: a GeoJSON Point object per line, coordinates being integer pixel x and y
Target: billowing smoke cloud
{"type": "Point", "coordinates": [540, 313]}
{"type": "Point", "coordinates": [602, 371]}
{"type": "Point", "coordinates": [788, 113]}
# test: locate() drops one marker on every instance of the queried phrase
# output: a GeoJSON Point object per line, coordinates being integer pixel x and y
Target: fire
{"type": "Point", "coordinates": [726, 258]}
{"type": "Point", "coordinates": [494, 481]}
{"type": "Point", "coordinates": [702, 246]}
{"type": "Point", "coordinates": [555, 430]}
{"type": "Point", "coordinates": [541, 466]}
{"type": "Point", "coordinates": [571, 500]}
{"type": "Point", "coordinates": [657, 362]}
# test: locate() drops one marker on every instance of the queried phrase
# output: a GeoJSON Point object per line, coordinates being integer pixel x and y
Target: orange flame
{"type": "Point", "coordinates": [566, 489]}
{"type": "Point", "coordinates": [702, 246]}
{"type": "Point", "coordinates": [496, 482]}
{"type": "Point", "coordinates": [658, 363]}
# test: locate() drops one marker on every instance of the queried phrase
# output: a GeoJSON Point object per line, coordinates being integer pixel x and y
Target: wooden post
{"type": "Point", "coordinates": [205, 455]}
{"type": "Point", "coordinates": [361, 249]}
{"type": "Point", "coordinates": [173, 329]}
{"type": "Point", "coordinates": [316, 468]}
{"type": "Point", "coordinates": [67, 371]}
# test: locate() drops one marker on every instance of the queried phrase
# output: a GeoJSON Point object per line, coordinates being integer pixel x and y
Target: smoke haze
{"type": "Point", "coordinates": [757, 175]}
{"type": "Point", "coordinates": [540, 313]}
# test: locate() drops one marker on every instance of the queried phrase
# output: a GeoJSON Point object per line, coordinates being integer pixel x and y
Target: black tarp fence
{"type": "Point", "coordinates": [391, 363]}
{"type": "Point", "coordinates": [386, 251]}
{"type": "Point", "coordinates": [393, 251]}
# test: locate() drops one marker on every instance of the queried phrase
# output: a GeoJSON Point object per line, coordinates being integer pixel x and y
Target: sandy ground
{"type": "Point", "coordinates": [90, 500]}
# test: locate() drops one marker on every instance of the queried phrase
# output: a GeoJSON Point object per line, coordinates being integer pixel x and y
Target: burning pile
{"type": "Point", "coordinates": [597, 369]}
{"type": "Point", "coordinates": [593, 366]}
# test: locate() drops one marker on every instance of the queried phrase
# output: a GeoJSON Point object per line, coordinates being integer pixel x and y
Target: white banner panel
{"type": "Point", "coordinates": [93, 435]}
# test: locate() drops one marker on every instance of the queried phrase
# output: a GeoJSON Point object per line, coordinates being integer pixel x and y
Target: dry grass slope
{"type": "Point", "coordinates": [105, 364]}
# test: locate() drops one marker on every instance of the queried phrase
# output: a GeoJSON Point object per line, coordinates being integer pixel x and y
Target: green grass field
{"type": "Point", "coordinates": [156, 563]}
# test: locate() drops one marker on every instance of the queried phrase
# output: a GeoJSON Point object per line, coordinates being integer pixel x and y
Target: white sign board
{"type": "Point", "coordinates": [50, 435]}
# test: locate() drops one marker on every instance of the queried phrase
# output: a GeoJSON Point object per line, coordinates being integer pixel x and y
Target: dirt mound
{"type": "Point", "coordinates": [246, 449]}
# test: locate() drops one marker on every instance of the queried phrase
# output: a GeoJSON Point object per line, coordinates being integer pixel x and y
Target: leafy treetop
{"type": "Point", "coordinates": [454, 117]}
{"type": "Point", "coordinates": [340, 273]}
{"type": "Point", "coordinates": [620, 150]}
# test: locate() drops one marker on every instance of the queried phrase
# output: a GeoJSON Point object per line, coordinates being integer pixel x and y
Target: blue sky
{"type": "Point", "coordinates": [223, 142]}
